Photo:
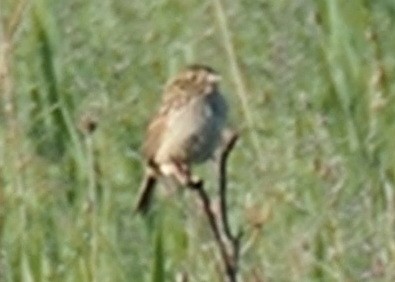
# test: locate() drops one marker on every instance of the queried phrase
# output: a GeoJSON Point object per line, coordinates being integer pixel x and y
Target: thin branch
{"type": "Point", "coordinates": [230, 141]}
{"type": "Point", "coordinates": [228, 244]}
{"type": "Point", "coordinates": [214, 226]}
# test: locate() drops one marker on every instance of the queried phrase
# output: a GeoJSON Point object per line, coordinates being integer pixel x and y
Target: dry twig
{"type": "Point", "coordinates": [229, 244]}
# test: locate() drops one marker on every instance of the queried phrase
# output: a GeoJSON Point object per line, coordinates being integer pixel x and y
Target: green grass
{"type": "Point", "coordinates": [311, 182]}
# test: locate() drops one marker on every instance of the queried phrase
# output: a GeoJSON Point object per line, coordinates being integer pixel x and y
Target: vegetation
{"type": "Point", "coordinates": [311, 181]}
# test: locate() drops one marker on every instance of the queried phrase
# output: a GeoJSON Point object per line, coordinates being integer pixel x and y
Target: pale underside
{"type": "Point", "coordinates": [187, 134]}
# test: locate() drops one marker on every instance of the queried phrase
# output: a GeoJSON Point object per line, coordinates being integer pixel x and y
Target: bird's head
{"type": "Point", "coordinates": [194, 79]}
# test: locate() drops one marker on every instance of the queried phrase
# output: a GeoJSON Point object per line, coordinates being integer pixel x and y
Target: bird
{"type": "Point", "coordinates": [185, 130]}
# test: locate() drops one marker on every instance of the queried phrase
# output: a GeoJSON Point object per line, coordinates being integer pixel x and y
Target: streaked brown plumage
{"type": "Point", "coordinates": [186, 129]}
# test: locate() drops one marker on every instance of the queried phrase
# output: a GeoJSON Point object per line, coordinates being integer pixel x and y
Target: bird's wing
{"type": "Point", "coordinates": [154, 135]}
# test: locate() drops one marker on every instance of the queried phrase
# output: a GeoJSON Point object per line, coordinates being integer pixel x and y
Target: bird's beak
{"type": "Point", "coordinates": [214, 78]}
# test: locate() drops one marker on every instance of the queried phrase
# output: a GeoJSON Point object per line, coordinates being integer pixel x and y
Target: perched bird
{"type": "Point", "coordinates": [186, 130]}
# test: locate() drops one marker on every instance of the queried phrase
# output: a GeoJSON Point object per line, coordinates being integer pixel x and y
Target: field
{"type": "Point", "coordinates": [311, 90]}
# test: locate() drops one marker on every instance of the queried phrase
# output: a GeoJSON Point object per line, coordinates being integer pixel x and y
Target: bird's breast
{"type": "Point", "coordinates": [193, 131]}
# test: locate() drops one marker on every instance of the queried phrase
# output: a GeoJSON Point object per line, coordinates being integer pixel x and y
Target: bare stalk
{"type": "Point", "coordinates": [228, 244]}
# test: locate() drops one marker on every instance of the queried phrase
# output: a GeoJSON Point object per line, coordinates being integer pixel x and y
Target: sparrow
{"type": "Point", "coordinates": [186, 130]}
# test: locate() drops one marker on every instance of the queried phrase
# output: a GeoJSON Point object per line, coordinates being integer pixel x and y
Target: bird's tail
{"type": "Point", "coordinates": [146, 192]}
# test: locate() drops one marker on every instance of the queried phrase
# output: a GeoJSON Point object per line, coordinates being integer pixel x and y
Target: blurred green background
{"type": "Point", "coordinates": [311, 181]}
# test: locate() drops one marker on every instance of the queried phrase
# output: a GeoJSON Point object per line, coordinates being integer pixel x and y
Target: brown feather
{"type": "Point", "coordinates": [153, 137]}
